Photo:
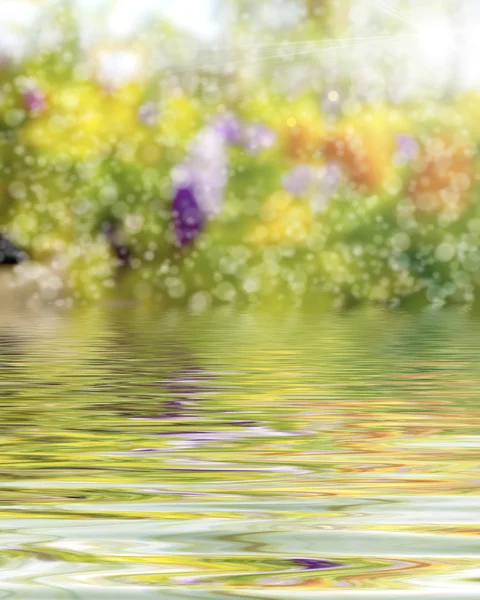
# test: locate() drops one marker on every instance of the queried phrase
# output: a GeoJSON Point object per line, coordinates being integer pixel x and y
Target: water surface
{"type": "Point", "coordinates": [277, 455]}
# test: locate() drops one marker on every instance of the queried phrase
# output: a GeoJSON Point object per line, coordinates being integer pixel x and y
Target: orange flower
{"type": "Point", "coordinates": [303, 144]}
{"type": "Point", "coordinates": [364, 165]}
{"type": "Point", "coordinates": [444, 176]}
{"type": "Point", "coordinates": [364, 145]}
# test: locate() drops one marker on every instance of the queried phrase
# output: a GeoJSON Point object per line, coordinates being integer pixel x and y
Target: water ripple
{"type": "Point", "coordinates": [222, 456]}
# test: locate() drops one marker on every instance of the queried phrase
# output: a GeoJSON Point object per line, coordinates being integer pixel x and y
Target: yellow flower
{"type": "Point", "coordinates": [84, 120]}
{"type": "Point", "coordinates": [74, 124]}
{"type": "Point", "coordinates": [178, 121]}
{"type": "Point", "coordinates": [285, 220]}
{"type": "Point", "coordinates": [365, 144]}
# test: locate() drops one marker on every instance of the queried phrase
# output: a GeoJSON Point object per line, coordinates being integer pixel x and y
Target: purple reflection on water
{"type": "Point", "coordinates": [229, 435]}
{"type": "Point", "coordinates": [174, 410]}
{"type": "Point", "coordinates": [314, 564]}
{"type": "Point", "coordinates": [186, 580]}
{"type": "Point", "coordinates": [184, 383]}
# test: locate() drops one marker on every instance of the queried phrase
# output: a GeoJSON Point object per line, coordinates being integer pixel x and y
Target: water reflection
{"type": "Point", "coordinates": [239, 455]}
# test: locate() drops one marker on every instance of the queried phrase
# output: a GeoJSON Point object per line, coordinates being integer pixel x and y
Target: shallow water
{"type": "Point", "coordinates": [239, 455]}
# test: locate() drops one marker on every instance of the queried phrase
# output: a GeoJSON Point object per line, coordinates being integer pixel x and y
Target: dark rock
{"type": "Point", "coordinates": [9, 253]}
{"type": "Point", "coordinates": [113, 232]}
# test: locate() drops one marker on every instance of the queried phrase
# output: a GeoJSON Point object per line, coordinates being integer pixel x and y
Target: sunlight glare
{"type": "Point", "coordinates": [436, 42]}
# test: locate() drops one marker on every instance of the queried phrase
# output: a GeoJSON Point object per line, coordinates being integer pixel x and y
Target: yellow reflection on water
{"type": "Point", "coordinates": [281, 455]}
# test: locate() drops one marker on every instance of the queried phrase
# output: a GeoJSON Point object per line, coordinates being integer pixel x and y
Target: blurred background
{"type": "Point", "coordinates": [227, 151]}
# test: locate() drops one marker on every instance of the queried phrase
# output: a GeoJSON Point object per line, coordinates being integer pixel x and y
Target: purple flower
{"type": "Point", "coordinates": [206, 169]}
{"type": "Point", "coordinates": [229, 127]}
{"type": "Point", "coordinates": [327, 181]}
{"type": "Point", "coordinates": [331, 177]}
{"type": "Point", "coordinates": [257, 137]}
{"type": "Point", "coordinates": [34, 100]}
{"type": "Point", "coordinates": [188, 219]}
{"type": "Point", "coordinates": [319, 183]}
{"type": "Point", "coordinates": [254, 137]}
{"type": "Point", "coordinates": [148, 114]}
{"type": "Point", "coordinates": [407, 148]}
{"type": "Point", "coordinates": [200, 181]}
{"type": "Point", "coordinates": [199, 185]}
{"type": "Point", "coordinates": [299, 180]}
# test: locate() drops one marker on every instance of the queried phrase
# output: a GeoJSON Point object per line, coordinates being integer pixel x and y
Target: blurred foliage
{"type": "Point", "coordinates": [79, 147]}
